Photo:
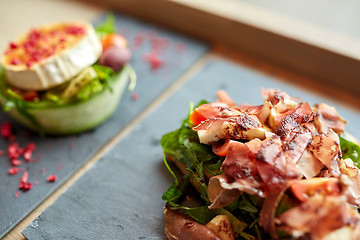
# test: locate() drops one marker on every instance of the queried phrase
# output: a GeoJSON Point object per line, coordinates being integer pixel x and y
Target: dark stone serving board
{"type": "Point", "coordinates": [120, 197]}
{"type": "Point", "coordinates": [64, 155]}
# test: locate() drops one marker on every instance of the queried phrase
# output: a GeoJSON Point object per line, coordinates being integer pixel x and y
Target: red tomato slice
{"type": "Point", "coordinates": [30, 96]}
{"type": "Point", "coordinates": [113, 39]}
{"type": "Point", "coordinates": [206, 111]}
{"type": "Point", "coordinates": [221, 148]}
{"type": "Point", "coordinates": [303, 189]}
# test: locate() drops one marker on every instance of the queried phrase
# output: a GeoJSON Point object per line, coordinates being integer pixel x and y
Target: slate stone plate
{"type": "Point", "coordinates": [120, 197]}
{"type": "Point", "coordinates": [64, 155]}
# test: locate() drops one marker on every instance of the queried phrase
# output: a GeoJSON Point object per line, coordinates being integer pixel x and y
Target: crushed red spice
{"type": "Point", "coordinates": [134, 96]}
{"type": "Point", "coordinates": [24, 184]}
{"type": "Point", "coordinates": [13, 45]}
{"type": "Point", "coordinates": [15, 61]}
{"type": "Point", "coordinates": [13, 171]}
{"type": "Point", "coordinates": [51, 178]}
{"type": "Point", "coordinates": [17, 194]}
{"type": "Point", "coordinates": [16, 162]}
{"type": "Point", "coordinates": [28, 151]}
{"type": "Point", "coordinates": [14, 151]}
{"type": "Point", "coordinates": [154, 59]}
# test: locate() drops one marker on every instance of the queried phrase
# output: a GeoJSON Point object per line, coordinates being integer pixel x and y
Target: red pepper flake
{"type": "Point", "coordinates": [13, 171]}
{"type": "Point", "coordinates": [6, 130]}
{"type": "Point", "coordinates": [51, 178]}
{"type": "Point", "coordinates": [35, 160]}
{"type": "Point", "coordinates": [134, 96]}
{"type": "Point", "coordinates": [34, 35]}
{"type": "Point", "coordinates": [36, 183]}
{"type": "Point", "coordinates": [12, 45]}
{"type": "Point", "coordinates": [2, 153]}
{"type": "Point", "coordinates": [24, 177]}
{"type": "Point", "coordinates": [16, 162]}
{"type": "Point", "coordinates": [24, 184]}
{"type": "Point", "coordinates": [154, 60]}
{"type": "Point", "coordinates": [17, 194]}
{"type": "Point", "coordinates": [14, 151]}
{"type": "Point", "coordinates": [75, 30]}
{"type": "Point", "coordinates": [28, 151]}
{"type": "Point", "coordinates": [29, 64]}
{"type": "Point", "coordinates": [15, 61]}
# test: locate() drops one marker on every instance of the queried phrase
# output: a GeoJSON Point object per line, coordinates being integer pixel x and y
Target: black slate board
{"type": "Point", "coordinates": [120, 197]}
{"type": "Point", "coordinates": [64, 155]}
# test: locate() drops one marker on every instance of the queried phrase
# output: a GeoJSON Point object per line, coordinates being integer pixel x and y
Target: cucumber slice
{"type": "Point", "coordinates": [75, 117]}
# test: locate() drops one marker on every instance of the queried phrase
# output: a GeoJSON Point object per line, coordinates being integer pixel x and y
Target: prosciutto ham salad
{"type": "Point", "coordinates": [281, 170]}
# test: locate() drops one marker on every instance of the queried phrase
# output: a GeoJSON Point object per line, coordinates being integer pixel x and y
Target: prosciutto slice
{"type": "Point", "coordinates": [319, 215]}
{"type": "Point", "coordinates": [283, 147]}
{"type": "Point", "coordinates": [327, 117]}
{"type": "Point", "coordinates": [242, 126]}
{"type": "Point", "coordinates": [180, 227]}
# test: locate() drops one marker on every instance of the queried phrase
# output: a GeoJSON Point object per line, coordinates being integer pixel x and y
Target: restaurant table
{"type": "Point", "coordinates": [110, 179]}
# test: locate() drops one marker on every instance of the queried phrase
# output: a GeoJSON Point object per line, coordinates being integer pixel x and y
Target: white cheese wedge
{"type": "Point", "coordinates": [71, 54]}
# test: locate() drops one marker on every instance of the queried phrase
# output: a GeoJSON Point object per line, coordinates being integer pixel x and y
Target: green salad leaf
{"type": "Point", "coordinates": [350, 150]}
{"type": "Point", "coordinates": [106, 27]}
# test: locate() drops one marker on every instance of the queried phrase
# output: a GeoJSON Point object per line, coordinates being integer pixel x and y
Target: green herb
{"type": "Point", "coordinates": [214, 169]}
{"type": "Point", "coordinates": [172, 194]}
{"type": "Point", "coordinates": [106, 27]}
{"type": "Point", "coordinates": [350, 150]}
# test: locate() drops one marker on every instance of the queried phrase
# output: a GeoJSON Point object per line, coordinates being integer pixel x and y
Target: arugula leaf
{"type": "Point", "coordinates": [172, 194]}
{"type": "Point", "coordinates": [107, 27]}
{"type": "Point", "coordinates": [350, 150]}
{"type": "Point", "coordinates": [214, 169]}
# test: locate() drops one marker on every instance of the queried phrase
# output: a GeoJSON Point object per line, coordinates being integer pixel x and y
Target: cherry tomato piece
{"type": "Point", "coordinates": [113, 40]}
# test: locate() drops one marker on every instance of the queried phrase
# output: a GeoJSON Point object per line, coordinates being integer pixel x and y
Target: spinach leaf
{"type": "Point", "coordinates": [350, 150]}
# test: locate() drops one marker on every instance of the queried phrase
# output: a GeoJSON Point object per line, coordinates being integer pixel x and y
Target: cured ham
{"type": "Point", "coordinates": [287, 155]}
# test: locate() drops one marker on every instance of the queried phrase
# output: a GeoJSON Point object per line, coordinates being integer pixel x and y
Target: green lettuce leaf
{"type": "Point", "coordinates": [106, 27]}
{"type": "Point", "coordinates": [350, 150]}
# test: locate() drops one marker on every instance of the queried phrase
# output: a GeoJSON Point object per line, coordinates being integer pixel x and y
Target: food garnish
{"type": "Point", "coordinates": [280, 170]}
{"type": "Point", "coordinates": [65, 78]}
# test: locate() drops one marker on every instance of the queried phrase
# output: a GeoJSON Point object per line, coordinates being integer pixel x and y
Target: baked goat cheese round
{"type": "Point", "coordinates": [50, 55]}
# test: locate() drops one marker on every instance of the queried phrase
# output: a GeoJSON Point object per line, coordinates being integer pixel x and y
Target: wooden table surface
{"type": "Point", "coordinates": [11, 25]}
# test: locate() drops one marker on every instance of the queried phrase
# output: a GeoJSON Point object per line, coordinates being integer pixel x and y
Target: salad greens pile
{"type": "Point", "coordinates": [201, 164]}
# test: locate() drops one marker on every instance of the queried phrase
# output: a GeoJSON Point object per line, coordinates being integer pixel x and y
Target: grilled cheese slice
{"type": "Point", "coordinates": [51, 55]}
